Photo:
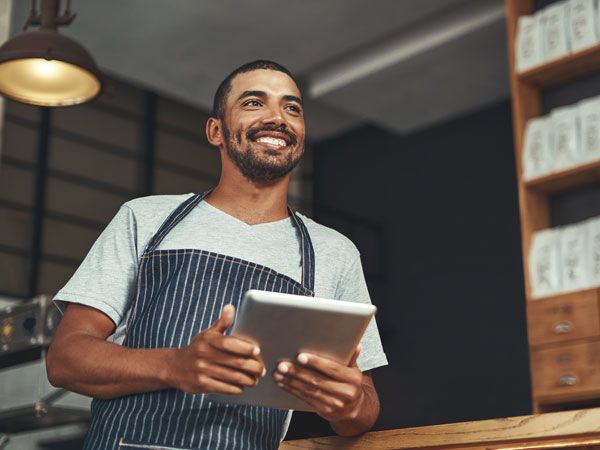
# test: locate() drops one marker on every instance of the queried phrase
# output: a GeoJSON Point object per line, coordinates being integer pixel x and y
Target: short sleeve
{"type": "Point", "coordinates": [105, 280]}
{"type": "Point", "coordinates": [353, 288]}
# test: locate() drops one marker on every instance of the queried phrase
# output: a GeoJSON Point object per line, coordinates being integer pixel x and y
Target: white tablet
{"type": "Point", "coordinates": [284, 325]}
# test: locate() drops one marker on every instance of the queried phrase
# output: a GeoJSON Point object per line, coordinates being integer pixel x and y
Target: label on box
{"type": "Point", "coordinates": [573, 256]}
{"type": "Point", "coordinates": [544, 273]}
{"type": "Point", "coordinates": [593, 252]}
{"type": "Point", "coordinates": [536, 148]}
{"type": "Point", "coordinates": [589, 120]}
{"type": "Point", "coordinates": [554, 23]}
{"type": "Point", "coordinates": [565, 137]}
{"type": "Point", "coordinates": [529, 51]}
{"type": "Point", "coordinates": [582, 24]}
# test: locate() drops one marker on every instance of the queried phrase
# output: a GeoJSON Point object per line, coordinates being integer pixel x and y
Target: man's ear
{"type": "Point", "coordinates": [214, 131]}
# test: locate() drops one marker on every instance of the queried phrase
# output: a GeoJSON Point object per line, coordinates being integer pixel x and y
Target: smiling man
{"type": "Point", "coordinates": [145, 314]}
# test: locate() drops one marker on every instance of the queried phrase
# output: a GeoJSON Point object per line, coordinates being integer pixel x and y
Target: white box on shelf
{"type": "Point", "coordinates": [565, 148]}
{"type": "Point", "coordinates": [573, 257]}
{"type": "Point", "coordinates": [529, 50]}
{"type": "Point", "coordinates": [589, 123]}
{"type": "Point", "coordinates": [593, 251]}
{"type": "Point", "coordinates": [555, 31]}
{"type": "Point", "coordinates": [536, 148]}
{"type": "Point", "coordinates": [544, 270]}
{"type": "Point", "coordinates": [582, 24]}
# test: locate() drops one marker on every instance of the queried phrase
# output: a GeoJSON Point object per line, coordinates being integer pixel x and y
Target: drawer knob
{"type": "Point", "coordinates": [563, 328]}
{"type": "Point", "coordinates": [567, 380]}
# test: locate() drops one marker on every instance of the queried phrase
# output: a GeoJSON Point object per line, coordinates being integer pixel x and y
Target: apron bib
{"type": "Point", "coordinates": [180, 293]}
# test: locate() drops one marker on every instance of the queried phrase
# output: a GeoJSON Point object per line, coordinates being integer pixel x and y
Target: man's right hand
{"type": "Point", "coordinates": [215, 363]}
{"type": "Point", "coordinates": [81, 360]}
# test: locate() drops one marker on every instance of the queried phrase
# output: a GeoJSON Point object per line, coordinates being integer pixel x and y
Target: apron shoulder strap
{"type": "Point", "coordinates": [308, 253]}
{"type": "Point", "coordinates": [174, 218]}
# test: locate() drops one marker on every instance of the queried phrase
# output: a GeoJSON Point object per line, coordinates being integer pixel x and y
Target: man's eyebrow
{"type": "Point", "coordinates": [287, 98]}
{"type": "Point", "coordinates": [252, 94]}
{"type": "Point", "coordinates": [293, 98]}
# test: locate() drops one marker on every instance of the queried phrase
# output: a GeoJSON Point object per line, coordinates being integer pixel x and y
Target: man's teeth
{"type": "Point", "coordinates": [270, 140]}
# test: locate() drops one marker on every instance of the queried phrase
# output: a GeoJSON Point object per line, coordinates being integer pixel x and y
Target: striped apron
{"type": "Point", "coordinates": [180, 293]}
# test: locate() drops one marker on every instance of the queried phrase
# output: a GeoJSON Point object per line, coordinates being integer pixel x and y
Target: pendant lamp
{"type": "Point", "coordinates": [45, 68]}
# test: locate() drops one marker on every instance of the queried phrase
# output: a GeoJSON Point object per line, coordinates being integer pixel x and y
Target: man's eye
{"type": "Point", "coordinates": [294, 108]}
{"type": "Point", "coordinates": [252, 103]}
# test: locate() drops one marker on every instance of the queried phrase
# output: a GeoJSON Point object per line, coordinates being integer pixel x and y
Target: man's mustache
{"type": "Point", "coordinates": [251, 132]}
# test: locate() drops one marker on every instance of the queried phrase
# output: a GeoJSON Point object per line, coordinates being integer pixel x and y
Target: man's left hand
{"type": "Point", "coordinates": [335, 390]}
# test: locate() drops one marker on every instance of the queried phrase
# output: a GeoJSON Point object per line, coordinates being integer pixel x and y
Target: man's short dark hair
{"type": "Point", "coordinates": [225, 86]}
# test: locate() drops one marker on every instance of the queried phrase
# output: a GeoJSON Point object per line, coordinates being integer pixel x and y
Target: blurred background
{"type": "Point", "coordinates": [410, 154]}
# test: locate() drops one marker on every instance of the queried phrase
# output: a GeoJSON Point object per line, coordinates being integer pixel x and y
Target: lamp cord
{"type": "Point", "coordinates": [36, 19]}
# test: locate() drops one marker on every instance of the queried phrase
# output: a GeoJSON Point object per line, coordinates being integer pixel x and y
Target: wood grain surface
{"type": "Point", "coordinates": [567, 429]}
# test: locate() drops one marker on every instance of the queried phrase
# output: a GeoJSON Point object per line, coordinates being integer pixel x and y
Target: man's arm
{"type": "Point", "coordinates": [81, 360]}
{"type": "Point", "coordinates": [343, 395]}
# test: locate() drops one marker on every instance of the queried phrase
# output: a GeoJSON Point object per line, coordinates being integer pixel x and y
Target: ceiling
{"type": "Point", "coordinates": [400, 64]}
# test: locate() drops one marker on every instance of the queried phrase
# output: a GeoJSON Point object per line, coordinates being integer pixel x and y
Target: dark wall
{"type": "Point", "coordinates": [435, 216]}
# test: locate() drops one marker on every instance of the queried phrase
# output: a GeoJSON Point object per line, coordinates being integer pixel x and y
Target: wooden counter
{"type": "Point", "coordinates": [569, 429]}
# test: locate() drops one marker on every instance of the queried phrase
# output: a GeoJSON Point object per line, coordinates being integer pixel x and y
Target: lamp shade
{"type": "Point", "coordinates": [45, 68]}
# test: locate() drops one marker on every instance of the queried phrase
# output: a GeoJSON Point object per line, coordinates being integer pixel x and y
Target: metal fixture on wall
{"type": "Point", "coordinates": [45, 68]}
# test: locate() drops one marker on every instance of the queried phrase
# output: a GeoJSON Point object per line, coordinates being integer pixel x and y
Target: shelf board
{"type": "Point", "coordinates": [565, 180]}
{"type": "Point", "coordinates": [565, 69]}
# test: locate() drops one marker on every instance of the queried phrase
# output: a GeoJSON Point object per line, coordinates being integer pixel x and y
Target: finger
{"type": "Point", "coordinates": [310, 381]}
{"type": "Point", "coordinates": [328, 367]}
{"type": "Point", "coordinates": [227, 374]}
{"type": "Point", "coordinates": [354, 358]}
{"type": "Point", "coordinates": [314, 392]}
{"type": "Point", "coordinates": [248, 365]}
{"type": "Point", "coordinates": [235, 345]}
{"type": "Point", "coordinates": [323, 404]}
{"type": "Point", "coordinates": [226, 319]}
{"type": "Point", "coordinates": [220, 387]}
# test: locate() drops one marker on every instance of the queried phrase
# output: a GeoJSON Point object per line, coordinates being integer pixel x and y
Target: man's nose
{"type": "Point", "coordinates": [274, 117]}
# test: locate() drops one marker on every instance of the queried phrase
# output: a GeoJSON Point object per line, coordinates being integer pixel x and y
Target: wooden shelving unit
{"type": "Point", "coordinates": [564, 330]}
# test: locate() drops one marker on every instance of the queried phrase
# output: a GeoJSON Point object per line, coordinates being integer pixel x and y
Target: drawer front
{"type": "Point", "coordinates": [563, 318]}
{"type": "Point", "coordinates": [566, 369]}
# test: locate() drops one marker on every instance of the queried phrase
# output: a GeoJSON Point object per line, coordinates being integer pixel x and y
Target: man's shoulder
{"type": "Point", "coordinates": [148, 213]}
{"type": "Point", "coordinates": [156, 203]}
{"type": "Point", "coordinates": [324, 237]}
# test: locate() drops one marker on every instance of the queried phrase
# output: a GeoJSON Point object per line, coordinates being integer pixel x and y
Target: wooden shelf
{"type": "Point", "coordinates": [562, 70]}
{"type": "Point", "coordinates": [565, 180]}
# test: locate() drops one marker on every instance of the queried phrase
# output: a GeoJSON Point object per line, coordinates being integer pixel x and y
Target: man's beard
{"type": "Point", "coordinates": [254, 168]}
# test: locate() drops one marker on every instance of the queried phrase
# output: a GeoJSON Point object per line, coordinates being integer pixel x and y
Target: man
{"type": "Point", "coordinates": [167, 273]}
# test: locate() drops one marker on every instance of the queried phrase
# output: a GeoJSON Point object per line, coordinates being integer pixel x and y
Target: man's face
{"type": "Point", "coordinates": [264, 124]}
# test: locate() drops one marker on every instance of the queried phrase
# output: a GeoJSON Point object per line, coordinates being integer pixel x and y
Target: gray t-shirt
{"type": "Point", "coordinates": [106, 279]}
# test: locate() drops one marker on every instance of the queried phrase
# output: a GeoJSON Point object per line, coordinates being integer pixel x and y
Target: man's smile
{"type": "Point", "coordinates": [272, 139]}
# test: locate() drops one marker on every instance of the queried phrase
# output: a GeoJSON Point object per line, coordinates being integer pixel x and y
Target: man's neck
{"type": "Point", "coordinates": [251, 202]}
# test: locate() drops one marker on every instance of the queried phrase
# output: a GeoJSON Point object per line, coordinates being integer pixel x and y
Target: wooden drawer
{"type": "Point", "coordinates": [563, 318]}
{"type": "Point", "coordinates": [566, 371]}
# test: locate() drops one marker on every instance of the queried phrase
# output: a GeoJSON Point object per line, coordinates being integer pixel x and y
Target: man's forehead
{"type": "Point", "coordinates": [266, 80]}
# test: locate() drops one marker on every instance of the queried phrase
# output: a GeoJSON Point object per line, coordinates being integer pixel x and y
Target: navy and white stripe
{"type": "Point", "coordinates": [180, 293]}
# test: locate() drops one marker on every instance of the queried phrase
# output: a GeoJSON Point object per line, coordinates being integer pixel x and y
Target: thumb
{"type": "Point", "coordinates": [226, 319]}
{"type": "Point", "coordinates": [355, 356]}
